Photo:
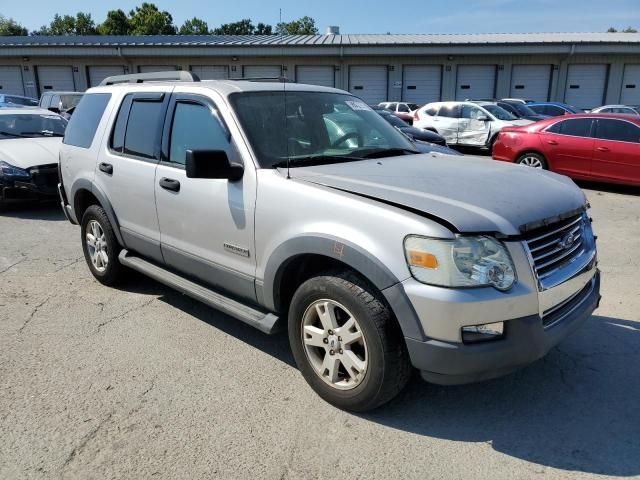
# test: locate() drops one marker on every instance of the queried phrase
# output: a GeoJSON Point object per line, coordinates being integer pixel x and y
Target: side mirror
{"type": "Point", "coordinates": [482, 118]}
{"type": "Point", "coordinates": [212, 164]}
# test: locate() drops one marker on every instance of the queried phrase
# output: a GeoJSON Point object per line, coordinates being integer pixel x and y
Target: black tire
{"type": "Point", "coordinates": [114, 271]}
{"type": "Point", "coordinates": [522, 159]}
{"type": "Point", "coordinates": [388, 369]}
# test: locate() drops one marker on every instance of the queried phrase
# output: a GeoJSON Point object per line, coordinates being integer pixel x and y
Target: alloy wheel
{"type": "Point", "coordinates": [97, 246]}
{"type": "Point", "coordinates": [531, 161]}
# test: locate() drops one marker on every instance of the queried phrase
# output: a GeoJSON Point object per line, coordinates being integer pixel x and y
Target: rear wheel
{"type": "Point", "coordinates": [533, 160]}
{"type": "Point", "coordinates": [346, 343]}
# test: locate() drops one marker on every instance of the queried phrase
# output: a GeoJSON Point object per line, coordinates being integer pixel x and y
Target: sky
{"type": "Point", "coordinates": [373, 16]}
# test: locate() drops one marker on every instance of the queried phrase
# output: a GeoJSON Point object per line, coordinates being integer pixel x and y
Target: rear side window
{"type": "Point", "coordinates": [553, 110]}
{"type": "Point", "coordinates": [449, 111]}
{"type": "Point", "coordinates": [579, 127]}
{"type": "Point", "coordinates": [140, 138]}
{"type": "Point", "coordinates": [431, 111]}
{"type": "Point", "coordinates": [617, 130]}
{"type": "Point", "coordinates": [84, 122]}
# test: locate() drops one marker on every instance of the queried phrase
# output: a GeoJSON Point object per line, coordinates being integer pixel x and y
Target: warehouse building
{"type": "Point", "coordinates": [583, 69]}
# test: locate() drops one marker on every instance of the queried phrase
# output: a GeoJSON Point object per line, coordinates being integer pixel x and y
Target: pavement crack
{"type": "Point", "coordinates": [86, 439]}
{"type": "Point", "coordinates": [24, 257]}
{"type": "Point", "coordinates": [124, 314]}
{"type": "Point", "coordinates": [32, 314]}
{"type": "Point", "coordinates": [68, 264]}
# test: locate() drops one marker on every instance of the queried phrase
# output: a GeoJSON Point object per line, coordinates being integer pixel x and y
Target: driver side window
{"type": "Point", "coordinates": [195, 127]}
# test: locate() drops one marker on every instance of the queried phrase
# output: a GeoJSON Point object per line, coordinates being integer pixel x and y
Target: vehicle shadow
{"type": "Point", "coordinates": [609, 187]}
{"type": "Point", "coordinates": [276, 345]}
{"type": "Point", "coordinates": [48, 211]}
{"type": "Point", "coordinates": [577, 409]}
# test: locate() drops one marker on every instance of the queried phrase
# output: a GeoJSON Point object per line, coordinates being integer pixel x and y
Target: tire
{"type": "Point", "coordinates": [380, 349]}
{"type": "Point", "coordinates": [533, 160]}
{"type": "Point", "coordinates": [105, 266]}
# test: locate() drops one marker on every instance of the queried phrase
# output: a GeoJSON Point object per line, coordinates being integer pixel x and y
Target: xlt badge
{"type": "Point", "coordinates": [244, 252]}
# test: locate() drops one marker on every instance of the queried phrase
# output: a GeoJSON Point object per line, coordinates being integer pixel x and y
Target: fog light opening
{"type": "Point", "coordinates": [482, 333]}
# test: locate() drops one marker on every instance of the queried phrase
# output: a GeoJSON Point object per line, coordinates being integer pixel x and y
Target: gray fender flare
{"type": "Point", "coordinates": [353, 256]}
{"type": "Point", "coordinates": [84, 184]}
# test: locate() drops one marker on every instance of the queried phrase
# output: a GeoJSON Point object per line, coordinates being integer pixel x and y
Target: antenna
{"type": "Point", "coordinates": [284, 92]}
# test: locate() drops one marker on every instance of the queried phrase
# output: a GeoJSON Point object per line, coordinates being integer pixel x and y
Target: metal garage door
{"type": "Point", "coordinates": [261, 71]}
{"type": "Point", "coordinates": [211, 72]}
{"type": "Point", "coordinates": [99, 73]}
{"type": "Point", "coordinates": [586, 85]}
{"type": "Point", "coordinates": [476, 82]}
{"type": "Point", "coordinates": [369, 82]}
{"type": "Point", "coordinates": [11, 80]}
{"type": "Point", "coordinates": [315, 75]}
{"type": "Point", "coordinates": [421, 83]}
{"type": "Point", "coordinates": [55, 79]}
{"type": "Point", "coordinates": [631, 85]}
{"type": "Point", "coordinates": [156, 68]}
{"type": "Point", "coordinates": [531, 82]}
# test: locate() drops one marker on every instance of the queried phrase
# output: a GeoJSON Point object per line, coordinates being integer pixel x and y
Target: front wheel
{"type": "Point", "coordinates": [346, 342]}
{"type": "Point", "coordinates": [100, 246]}
{"type": "Point", "coordinates": [533, 160]}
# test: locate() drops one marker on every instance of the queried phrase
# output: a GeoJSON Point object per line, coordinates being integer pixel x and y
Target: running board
{"type": "Point", "coordinates": [265, 322]}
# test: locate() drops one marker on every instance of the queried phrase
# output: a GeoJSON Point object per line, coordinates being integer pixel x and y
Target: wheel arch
{"type": "Point", "coordinates": [84, 194]}
{"type": "Point", "coordinates": [301, 258]}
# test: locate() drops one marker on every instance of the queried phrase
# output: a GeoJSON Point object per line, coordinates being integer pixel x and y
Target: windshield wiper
{"type": "Point", "coordinates": [316, 160]}
{"type": "Point", "coordinates": [44, 133]}
{"type": "Point", "coordinates": [389, 152]}
{"type": "Point", "coordinates": [9, 134]}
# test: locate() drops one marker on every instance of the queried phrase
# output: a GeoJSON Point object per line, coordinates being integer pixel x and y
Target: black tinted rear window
{"type": "Point", "coordinates": [140, 139]}
{"type": "Point", "coordinates": [579, 127]}
{"type": "Point", "coordinates": [618, 130]}
{"type": "Point", "coordinates": [84, 122]}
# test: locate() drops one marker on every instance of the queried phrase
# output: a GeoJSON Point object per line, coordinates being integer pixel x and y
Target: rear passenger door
{"type": "Point", "coordinates": [568, 146]}
{"type": "Point", "coordinates": [126, 168]}
{"type": "Point", "coordinates": [617, 150]}
{"type": "Point", "coordinates": [206, 225]}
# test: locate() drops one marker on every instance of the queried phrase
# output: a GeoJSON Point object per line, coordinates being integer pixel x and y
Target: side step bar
{"type": "Point", "coordinates": [263, 321]}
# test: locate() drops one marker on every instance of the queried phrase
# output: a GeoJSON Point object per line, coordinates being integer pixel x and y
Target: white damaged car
{"type": "Point", "coordinates": [466, 124]}
{"type": "Point", "coordinates": [30, 140]}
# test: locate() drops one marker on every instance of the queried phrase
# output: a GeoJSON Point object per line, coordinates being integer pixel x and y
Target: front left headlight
{"type": "Point", "coordinates": [477, 261]}
{"type": "Point", "coordinates": [10, 171]}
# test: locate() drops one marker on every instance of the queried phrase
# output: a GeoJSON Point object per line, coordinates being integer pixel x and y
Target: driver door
{"type": "Point", "coordinates": [474, 126]}
{"type": "Point", "coordinates": [206, 225]}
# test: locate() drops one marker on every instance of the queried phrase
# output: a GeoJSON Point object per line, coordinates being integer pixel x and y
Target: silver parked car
{"type": "Point", "coordinates": [299, 205]}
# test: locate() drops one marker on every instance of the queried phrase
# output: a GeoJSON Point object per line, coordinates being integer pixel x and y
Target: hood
{"type": "Point", "coordinates": [29, 152]}
{"type": "Point", "coordinates": [424, 135]}
{"type": "Point", "coordinates": [519, 122]}
{"type": "Point", "coordinates": [467, 194]}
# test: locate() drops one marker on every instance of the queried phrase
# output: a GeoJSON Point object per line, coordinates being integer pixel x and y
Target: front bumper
{"type": "Point", "coordinates": [42, 183]}
{"type": "Point", "coordinates": [526, 339]}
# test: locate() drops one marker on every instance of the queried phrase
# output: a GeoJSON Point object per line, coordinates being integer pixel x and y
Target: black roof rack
{"type": "Point", "coordinates": [263, 79]}
{"type": "Point", "coordinates": [171, 76]}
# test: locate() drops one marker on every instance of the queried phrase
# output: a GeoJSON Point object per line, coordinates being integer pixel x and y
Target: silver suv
{"type": "Point", "coordinates": [280, 203]}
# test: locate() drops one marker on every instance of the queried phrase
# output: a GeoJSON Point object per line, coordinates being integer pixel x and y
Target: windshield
{"type": "Point", "coordinates": [318, 125]}
{"type": "Point", "coordinates": [31, 125]}
{"type": "Point", "coordinates": [499, 112]}
{"type": "Point", "coordinates": [522, 109]}
{"type": "Point", "coordinates": [413, 106]}
{"type": "Point", "coordinates": [20, 101]}
{"type": "Point", "coordinates": [395, 121]}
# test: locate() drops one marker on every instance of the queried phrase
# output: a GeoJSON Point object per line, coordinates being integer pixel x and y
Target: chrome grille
{"type": "Point", "coordinates": [556, 245]}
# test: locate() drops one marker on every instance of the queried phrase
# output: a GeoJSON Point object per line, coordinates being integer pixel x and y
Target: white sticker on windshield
{"type": "Point", "coordinates": [357, 105]}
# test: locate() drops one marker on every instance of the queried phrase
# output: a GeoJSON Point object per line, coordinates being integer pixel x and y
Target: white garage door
{"type": "Point", "coordinates": [211, 72]}
{"type": "Point", "coordinates": [369, 82]}
{"type": "Point", "coordinates": [421, 83]}
{"type": "Point", "coordinates": [11, 80]}
{"type": "Point", "coordinates": [315, 75]}
{"type": "Point", "coordinates": [55, 79]}
{"type": "Point", "coordinates": [631, 85]}
{"type": "Point", "coordinates": [531, 82]}
{"type": "Point", "coordinates": [476, 82]}
{"type": "Point", "coordinates": [262, 71]}
{"type": "Point", "coordinates": [156, 68]}
{"type": "Point", "coordinates": [586, 85]}
{"type": "Point", "coordinates": [99, 73]}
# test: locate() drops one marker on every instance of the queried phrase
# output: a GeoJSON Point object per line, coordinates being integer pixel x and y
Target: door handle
{"type": "Point", "coordinates": [552, 142]}
{"type": "Point", "coordinates": [170, 184]}
{"type": "Point", "coordinates": [602, 149]}
{"type": "Point", "coordinates": [106, 168]}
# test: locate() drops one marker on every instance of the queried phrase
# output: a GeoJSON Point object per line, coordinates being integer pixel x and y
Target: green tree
{"type": "Point", "coordinates": [85, 24]}
{"type": "Point", "coordinates": [243, 27]}
{"type": "Point", "coordinates": [302, 26]}
{"type": "Point", "coordinates": [629, 30]}
{"type": "Point", "coordinates": [116, 23]}
{"type": "Point", "coordinates": [9, 27]}
{"type": "Point", "coordinates": [148, 20]}
{"type": "Point", "coordinates": [263, 29]}
{"type": "Point", "coordinates": [611, 30]}
{"type": "Point", "coordinates": [195, 26]}
{"type": "Point", "coordinates": [81, 24]}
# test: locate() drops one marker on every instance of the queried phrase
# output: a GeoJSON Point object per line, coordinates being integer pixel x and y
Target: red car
{"type": "Point", "coordinates": [601, 147]}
